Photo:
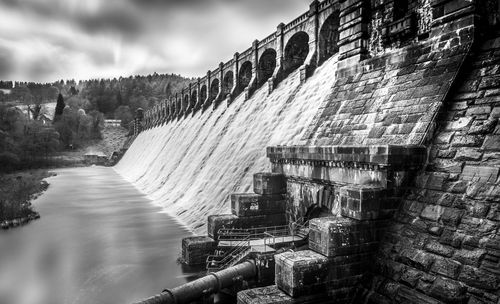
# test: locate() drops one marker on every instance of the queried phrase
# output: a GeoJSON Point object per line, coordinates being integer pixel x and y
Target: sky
{"type": "Point", "coordinates": [49, 40]}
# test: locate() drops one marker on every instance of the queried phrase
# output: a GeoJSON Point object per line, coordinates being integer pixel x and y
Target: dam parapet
{"type": "Point", "coordinates": [392, 193]}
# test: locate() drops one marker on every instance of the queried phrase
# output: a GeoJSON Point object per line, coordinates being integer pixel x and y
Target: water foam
{"type": "Point", "coordinates": [191, 166]}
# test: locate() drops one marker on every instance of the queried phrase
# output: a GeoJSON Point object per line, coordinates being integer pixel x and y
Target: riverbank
{"type": "Point", "coordinates": [17, 190]}
{"type": "Point", "coordinates": [99, 240]}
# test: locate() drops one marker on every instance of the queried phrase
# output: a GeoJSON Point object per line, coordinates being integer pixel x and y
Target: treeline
{"type": "Point", "coordinates": [6, 84]}
{"type": "Point", "coordinates": [119, 98]}
{"type": "Point", "coordinates": [27, 141]}
{"type": "Point", "coordinates": [24, 143]}
{"type": "Point", "coordinates": [116, 98]}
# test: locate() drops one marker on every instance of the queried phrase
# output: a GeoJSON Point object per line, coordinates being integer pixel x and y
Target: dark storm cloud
{"type": "Point", "coordinates": [103, 38]}
{"type": "Point", "coordinates": [40, 68]}
{"type": "Point", "coordinates": [120, 21]}
{"type": "Point", "coordinates": [5, 63]}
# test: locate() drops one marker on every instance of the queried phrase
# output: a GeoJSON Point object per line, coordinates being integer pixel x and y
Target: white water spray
{"type": "Point", "coordinates": [191, 166]}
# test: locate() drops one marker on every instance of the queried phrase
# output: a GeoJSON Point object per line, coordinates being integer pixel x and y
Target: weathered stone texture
{"type": "Point", "coordinates": [396, 95]}
{"type": "Point", "coordinates": [444, 245]}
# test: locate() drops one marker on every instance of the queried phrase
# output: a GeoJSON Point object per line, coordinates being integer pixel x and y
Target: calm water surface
{"type": "Point", "coordinates": [99, 240]}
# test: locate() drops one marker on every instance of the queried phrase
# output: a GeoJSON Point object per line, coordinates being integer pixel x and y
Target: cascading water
{"type": "Point", "coordinates": [191, 166]}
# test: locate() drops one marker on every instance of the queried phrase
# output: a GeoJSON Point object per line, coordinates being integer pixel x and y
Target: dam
{"type": "Point", "coordinates": [348, 157]}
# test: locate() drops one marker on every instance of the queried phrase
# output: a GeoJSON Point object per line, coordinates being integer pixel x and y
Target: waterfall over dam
{"type": "Point", "coordinates": [191, 166]}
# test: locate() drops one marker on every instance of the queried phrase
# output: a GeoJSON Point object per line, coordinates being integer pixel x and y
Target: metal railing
{"type": "Point", "coordinates": [232, 234]}
{"type": "Point", "coordinates": [221, 261]}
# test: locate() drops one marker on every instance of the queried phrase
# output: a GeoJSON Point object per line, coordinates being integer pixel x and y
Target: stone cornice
{"type": "Point", "coordinates": [357, 157]}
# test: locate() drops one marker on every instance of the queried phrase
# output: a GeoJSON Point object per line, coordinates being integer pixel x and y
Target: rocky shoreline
{"type": "Point", "coordinates": [21, 189]}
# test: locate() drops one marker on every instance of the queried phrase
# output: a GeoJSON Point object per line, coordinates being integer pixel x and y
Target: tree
{"type": "Point", "coordinates": [119, 98]}
{"type": "Point", "coordinates": [124, 114]}
{"type": "Point", "coordinates": [73, 91]}
{"type": "Point", "coordinates": [168, 90]}
{"type": "Point", "coordinates": [59, 107]}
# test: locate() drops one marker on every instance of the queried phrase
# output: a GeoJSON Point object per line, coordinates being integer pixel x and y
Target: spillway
{"type": "Point", "coordinates": [190, 166]}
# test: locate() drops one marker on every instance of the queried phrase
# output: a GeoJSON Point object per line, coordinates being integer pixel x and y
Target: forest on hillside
{"type": "Point", "coordinates": [26, 139]}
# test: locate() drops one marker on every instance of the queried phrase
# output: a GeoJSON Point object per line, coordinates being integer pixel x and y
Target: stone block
{"type": "Point", "coordinates": [412, 296]}
{"type": "Point", "coordinates": [491, 143]}
{"type": "Point", "coordinates": [438, 248]}
{"type": "Point", "coordinates": [338, 236]}
{"type": "Point", "coordinates": [475, 277]}
{"type": "Point", "coordinates": [448, 290]}
{"type": "Point", "coordinates": [196, 249]}
{"type": "Point", "coordinates": [216, 222]}
{"type": "Point", "coordinates": [250, 204]}
{"type": "Point", "coordinates": [416, 258]}
{"type": "Point", "coordinates": [480, 174]}
{"type": "Point", "coordinates": [446, 267]}
{"type": "Point", "coordinates": [469, 257]}
{"type": "Point", "coordinates": [269, 183]}
{"type": "Point", "coordinates": [273, 295]}
{"type": "Point", "coordinates": [301, 273]}
{"type": "Point", "coordinates": [364, 203]}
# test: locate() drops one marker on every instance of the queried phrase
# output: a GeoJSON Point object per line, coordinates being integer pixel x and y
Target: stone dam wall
{"type": "Point", "coordinates": [383, 145]}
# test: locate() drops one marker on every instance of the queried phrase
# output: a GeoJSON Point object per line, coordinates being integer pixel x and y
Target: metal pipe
{"type": "Point", "coordinates": [209, 284]}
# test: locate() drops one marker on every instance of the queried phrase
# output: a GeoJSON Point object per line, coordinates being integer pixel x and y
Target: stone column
{"type": "Point", "coordinates": [277, 77]}
{"type": "Point", "coordinates": [353, 33]}
{"type": "Point", "coordinates": [252, 86]}
{"type": "Point", "coordinates": [311, 61]}
{"type": "Point", "coordinates": [208, 101]}
{"type": "Point", "coordinates": [220, 96]}
{"type": "Point", "coordinates": [236, 69]}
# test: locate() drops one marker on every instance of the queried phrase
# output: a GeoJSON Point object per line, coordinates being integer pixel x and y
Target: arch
{"type": "Point", "coordinates": [203, 93]}
{"type": "Point", "coordinates": [245, 74]}
{"type": "Point", "coordinates": [267, 65]}
{"type": "Point", "coordinates": [400, 9]}
{"type": "Point", "coordinates": [227, 83]}
{"type": "Point", "coordinates": [329, 37]}
{"type": "Point", "coordinates": [194, 97]}
{"type": "Point", "coordinates": [296, 51]}
{"type": "Point", "coordinates": [316, 211]}
{"type": "Point", "coordinates": [214, 89]}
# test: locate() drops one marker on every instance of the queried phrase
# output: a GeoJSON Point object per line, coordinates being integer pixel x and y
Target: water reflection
{"type": "Point", "coordinates": [98, 241]}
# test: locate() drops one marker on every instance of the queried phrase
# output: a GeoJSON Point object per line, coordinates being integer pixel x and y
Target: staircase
{"type": "Point", "coordinates": [235, 244]}
{"type": "Point", "coordinates": [223, 258]}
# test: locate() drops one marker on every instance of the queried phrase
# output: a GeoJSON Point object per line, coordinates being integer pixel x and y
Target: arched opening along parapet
{"type": "Point", "coordinates": [214, 89]}
{"type": "Point", "coordinates": [194, 97]}
{"type": "Point", "coordinates": [245, 74]}
{"type": "Point", "coordinates": [267, 65]}
{"type": "Point", "coordinates": [203, 93]}
{"type": "Point", "coordinates": [227, 83]}
{"type": "Point", "coordinates": [329, 37]}
{"type": "Point", "coordinates": [296, 51]}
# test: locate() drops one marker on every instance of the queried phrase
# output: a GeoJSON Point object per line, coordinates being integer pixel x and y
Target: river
{"type": "Point", "coordinates": [99, 240]}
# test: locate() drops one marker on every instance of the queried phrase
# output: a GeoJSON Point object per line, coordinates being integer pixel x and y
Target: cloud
{"type": "Point", "coordinates": [46, 40]}
{"type": "Point", "coordinates": [5, 63]}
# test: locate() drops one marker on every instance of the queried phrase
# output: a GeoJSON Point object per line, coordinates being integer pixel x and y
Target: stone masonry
{"type": "Point", "coordinates": [398, 180]}
{"type": "Point", "coordinates": [444, 245]}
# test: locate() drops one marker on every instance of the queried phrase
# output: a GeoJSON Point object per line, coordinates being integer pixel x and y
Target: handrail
{"type": "Point", "coordinates": [240, 250]}
{"type": "Point", "coordinates": [246, 52]}
{"type": "Point", "coordinates": [296, 21]}
{"type": "Point", "coordinates": [325, 4]}
{"type": "Point", "coordinates": [226, 234]}
{"type": "Point", "coordinates": [267, 39]}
